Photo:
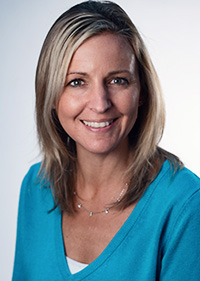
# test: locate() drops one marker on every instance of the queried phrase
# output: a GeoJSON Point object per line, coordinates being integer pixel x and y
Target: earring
{"type": "Point", "coordinates": [68, 140]}
{"type": "Point", "coordinates": [140, 102]}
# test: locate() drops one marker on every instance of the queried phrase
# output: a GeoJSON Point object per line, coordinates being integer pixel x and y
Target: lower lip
{"type": "Point", "coordinates": [100, 129]}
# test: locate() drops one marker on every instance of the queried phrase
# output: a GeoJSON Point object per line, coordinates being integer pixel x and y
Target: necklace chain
{"type": "Point", "coordinates": [106, 210]}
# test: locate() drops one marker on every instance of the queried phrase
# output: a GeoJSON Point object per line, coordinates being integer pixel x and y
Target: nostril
{"type": "Point", "coordinates": [100, 105]}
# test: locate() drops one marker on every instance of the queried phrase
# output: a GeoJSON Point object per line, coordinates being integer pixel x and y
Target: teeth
{"type": "Point", "coordinates": [97, 124]}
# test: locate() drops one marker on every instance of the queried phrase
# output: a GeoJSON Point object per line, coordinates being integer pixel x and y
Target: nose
{"type": "Point", "coordinates": [99, 100]}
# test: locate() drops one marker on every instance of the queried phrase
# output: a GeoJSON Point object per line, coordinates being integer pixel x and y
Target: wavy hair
{"type": "Point", "coordinates": [70, 30]}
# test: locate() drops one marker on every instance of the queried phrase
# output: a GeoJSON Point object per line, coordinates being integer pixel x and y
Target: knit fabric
{"type": "Point", "coordinates": [159, 241]}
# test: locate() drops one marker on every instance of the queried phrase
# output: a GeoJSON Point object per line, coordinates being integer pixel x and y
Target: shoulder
{"type": "Point", "coordinates": [31, 180]}
{"type": "Point", "coordinates": [180, 182]}
{"type": "Point", "coordinates": [35, 177]}
{"type": "Point", "coordinates": [35, 189]}
{"type": "Point", "coordinates": [33, 173]}
{"type": "Point", "coordinates": [185, 189]}
{"type": "Point", "coordinates": [174, 192]}
{"type": "Point", "coordinates": [175, 202]}
{"type": "Point", "coordinates": [179, 215]}
{"type": "Point", "coordinates": [185, 177]}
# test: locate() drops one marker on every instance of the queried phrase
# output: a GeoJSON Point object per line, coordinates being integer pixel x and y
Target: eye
{"type": "Point", "coordinates": [75, 83]}
{"type": "Point", "coordinates": [119, 81]}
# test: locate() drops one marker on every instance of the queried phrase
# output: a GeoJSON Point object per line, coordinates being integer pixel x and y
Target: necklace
{"type": "Point", "coordinates": [106, 210]}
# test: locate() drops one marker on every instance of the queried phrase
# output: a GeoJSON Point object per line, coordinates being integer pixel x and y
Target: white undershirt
{"type": "Point", "coordinates": [75, 266]}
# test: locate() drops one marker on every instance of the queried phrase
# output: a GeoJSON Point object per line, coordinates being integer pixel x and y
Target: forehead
{"type": "Point", "coordinates": [106, 49]}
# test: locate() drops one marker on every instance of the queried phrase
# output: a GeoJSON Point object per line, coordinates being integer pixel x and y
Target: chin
{"type": "Point", "coordinates": [98, 148]}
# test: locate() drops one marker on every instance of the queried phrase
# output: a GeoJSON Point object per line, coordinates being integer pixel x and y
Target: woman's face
{"type": "Point", "coordinates": [99, 104]}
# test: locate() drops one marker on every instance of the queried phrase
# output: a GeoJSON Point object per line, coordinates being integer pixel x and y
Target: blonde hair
{"type": "Point", "coordinates": [71, 29]}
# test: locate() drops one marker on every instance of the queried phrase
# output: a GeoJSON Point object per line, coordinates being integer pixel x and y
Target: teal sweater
{"type": "Point", "coordinates": [159, 241]}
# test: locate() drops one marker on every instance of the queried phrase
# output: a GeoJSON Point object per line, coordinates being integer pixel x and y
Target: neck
{"type": "Point", "coordinates": [101, 173]}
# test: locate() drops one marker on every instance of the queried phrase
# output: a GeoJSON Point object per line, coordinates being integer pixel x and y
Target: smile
{"type": "Point", "coordinates": [98, 124]}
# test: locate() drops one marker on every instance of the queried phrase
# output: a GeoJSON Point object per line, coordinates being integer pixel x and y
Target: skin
{"type": "Point", "coordinates": [100, 87]}
{"type": "Point", "coordinates": [98, 108]}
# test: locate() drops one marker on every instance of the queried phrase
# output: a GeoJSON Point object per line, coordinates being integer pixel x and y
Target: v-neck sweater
{"type": "Point", "coordinates": [160, 240]}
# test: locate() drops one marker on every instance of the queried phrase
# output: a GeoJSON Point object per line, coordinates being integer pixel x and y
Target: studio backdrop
{"type": "Point", "coordinates": [170, 30]}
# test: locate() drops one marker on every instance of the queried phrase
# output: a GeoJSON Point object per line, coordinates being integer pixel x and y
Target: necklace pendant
{"type": "Point", "coordinates": [107, 210]}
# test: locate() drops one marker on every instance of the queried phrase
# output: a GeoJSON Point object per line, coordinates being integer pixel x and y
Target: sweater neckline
{"type": "Point", "coordinates": [114, 243]}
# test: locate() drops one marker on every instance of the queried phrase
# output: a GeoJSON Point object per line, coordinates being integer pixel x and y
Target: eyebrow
{"type": "Point", "coordinates": [119, 71]}
{"type": "Point", "coordinates": [110, 73]}
{"type": "Point", "coordinates": [77, 72]}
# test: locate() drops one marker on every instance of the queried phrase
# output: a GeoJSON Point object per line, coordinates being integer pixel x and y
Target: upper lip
{"type": "Point", "coordinates": [98, 124]}
{"type": "Point", "coordinates": [99, 121]}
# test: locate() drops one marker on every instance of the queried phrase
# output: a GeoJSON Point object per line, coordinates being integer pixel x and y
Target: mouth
{"type": "Point", "coordinates": [98, 124]}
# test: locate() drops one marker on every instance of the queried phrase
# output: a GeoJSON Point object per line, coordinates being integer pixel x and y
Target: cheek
{"type": "Point", "coordinates": [134, 103]}
{"type": "Point", "coordinates": [129, 105]}
{"type": "Point", "coordinates": [67, 108]}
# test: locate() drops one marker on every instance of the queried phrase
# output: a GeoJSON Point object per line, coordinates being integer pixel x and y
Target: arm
{"type": "Point", "coordinates": [19, 269]}
{"type": "Point", "coordinates": [181, 252]}
{"type": "Point", "coordinates": [24, 230]}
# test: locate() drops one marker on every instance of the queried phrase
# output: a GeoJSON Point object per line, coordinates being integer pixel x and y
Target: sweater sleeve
{"type": "Point", "coordinates": [19, 270]}
{"type": "Point", "coordinates": [181, 252]}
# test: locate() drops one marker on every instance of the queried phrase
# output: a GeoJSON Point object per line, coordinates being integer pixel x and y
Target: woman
{"type": "Point", "coordinates": [106, 203]}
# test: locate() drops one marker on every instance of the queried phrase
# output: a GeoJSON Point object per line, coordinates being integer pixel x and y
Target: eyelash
{"type": "Point", "coordinates": [119, 81]}
{"type": "Point", "coordinates": [123, 81]}
{"type": "Point", "coordinates": [80, 81]}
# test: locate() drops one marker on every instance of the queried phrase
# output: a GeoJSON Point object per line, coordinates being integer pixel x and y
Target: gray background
{"type": "Point", "coordinates": [171, 31]}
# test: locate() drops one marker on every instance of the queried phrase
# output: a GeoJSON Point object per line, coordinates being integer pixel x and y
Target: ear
{"type": "Point", "coordinates": [54, 106]}
{"type": "Point", "coordinates": [141, 100]}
